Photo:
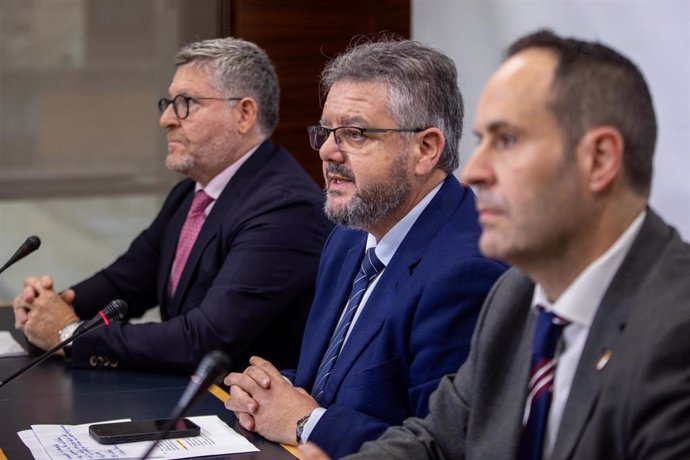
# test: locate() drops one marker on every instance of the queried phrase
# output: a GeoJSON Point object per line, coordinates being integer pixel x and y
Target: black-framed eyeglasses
{"type": "Point", "coordinates": [350, 138]}
{"type": "Point", "coordinates": [181, 102]}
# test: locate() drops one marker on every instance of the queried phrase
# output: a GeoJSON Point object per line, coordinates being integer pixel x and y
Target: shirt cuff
{"type": "Point", "coordinates": [314, 418]}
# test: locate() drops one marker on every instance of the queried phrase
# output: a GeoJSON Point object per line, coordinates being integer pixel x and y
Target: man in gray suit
{"type": "Point", "coordinates": [562, 171]}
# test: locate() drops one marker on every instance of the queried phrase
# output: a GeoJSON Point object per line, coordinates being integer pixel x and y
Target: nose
{"type": "Point", "coordinates": [478, 169]}
{"type": "Point", "coordinates": [168, 118]}
{"type": "Point", "coordinates": [330, 151]}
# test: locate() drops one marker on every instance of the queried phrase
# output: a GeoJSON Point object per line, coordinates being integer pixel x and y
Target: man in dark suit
{"type": "Point", "coordinates": [388, 138]}
{"type": "Point", "coordinates": [563, 171]}
{"type": "Point", "coordinates": [244, 282]}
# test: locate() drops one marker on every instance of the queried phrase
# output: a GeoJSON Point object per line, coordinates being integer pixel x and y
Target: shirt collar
{"type": "Point", "coordinates": [580, 301]}
{"type": "Point", "coordinates": [385, 249]}
{"type": "Point", "coordinates": [216, 185]}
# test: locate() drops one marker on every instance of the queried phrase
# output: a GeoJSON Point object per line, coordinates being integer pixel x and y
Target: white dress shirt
{"type": "Point", "coordinates": [216, 185]}
{"type": "Point", "coordinates": [579, 304]}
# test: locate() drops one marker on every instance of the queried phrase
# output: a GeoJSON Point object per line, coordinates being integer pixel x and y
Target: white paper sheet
{"type": "Point", "coordinates": [9, 346]}
{"type": "Point", "coordinates": [67, 442]}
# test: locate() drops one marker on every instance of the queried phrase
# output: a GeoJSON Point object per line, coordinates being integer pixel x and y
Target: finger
{"type": "Point", "coordinates": [18, 301]}
{"type": "Point", "coordinates": [241, 401]}
{"type": "Point", "coordinates": [20, 313]}
{"type": "Point", "coordinates": [266, 366]}
{"type": "Point", "coordinates": [31, 280]}
{"type": "Point", "coordinates": [246, 421]}
{"type": "Point", "coordinates": [29, 294]}
{"type": "Point", "coordinates": [311, 451]}
{"type": "Point", "coordinates": [67, 296]}
{"type": "Point", "coordinates": [260, 376]}
{"type": "Point", "coordinates": [251, 380]}
{"type": "Point", "coordinates": [47, 282]}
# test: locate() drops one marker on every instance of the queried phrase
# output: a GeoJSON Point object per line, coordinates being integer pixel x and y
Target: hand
{"type": "Point", "coordinates": [264, 402]}
{"type": "Point", "coordinates": [24, 301]}
{"type": "Point", "coordinates": [311, 451]}
{"type": "Point", "coordinates": [41, 312]}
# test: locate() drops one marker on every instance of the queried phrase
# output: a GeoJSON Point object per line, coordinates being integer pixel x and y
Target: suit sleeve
{"type": "Point", "coordinates": [268, 263]}
{"type": "Point", "coordinates": [440, 434]}
{"type": "Point", "coordinates": [437, 341]}
{"type": "Point", "coordinates": [660, 399]}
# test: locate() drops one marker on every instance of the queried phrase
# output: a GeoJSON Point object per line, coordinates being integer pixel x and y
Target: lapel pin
{"type": "Point", "coordinates": [604, 359]}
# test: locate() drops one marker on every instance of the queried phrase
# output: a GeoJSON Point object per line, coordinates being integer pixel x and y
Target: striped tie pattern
{"type": "Point", "coordinates": [371, 266]}
{"type": "Point", "coordinates": [190, 230]}
{"type": "Point", "coordinates": [546, 337]}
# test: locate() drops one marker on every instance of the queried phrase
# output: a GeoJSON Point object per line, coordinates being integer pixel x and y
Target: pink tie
{"type": "Point", "coordinates": [190, 230]}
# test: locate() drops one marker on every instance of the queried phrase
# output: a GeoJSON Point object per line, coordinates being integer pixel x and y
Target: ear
{"type": "Point", "coordinates": [603, 152]}
{"type": "Point", "coordinates": [430, 146]}
{"type": "Point", "coordinates": [248, 111]}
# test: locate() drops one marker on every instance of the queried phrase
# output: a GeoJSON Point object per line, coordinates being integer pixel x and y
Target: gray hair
{"type": "Point", "coordinates": [422, 86]}
{"type": "Point", "coordinates": [241, 67]}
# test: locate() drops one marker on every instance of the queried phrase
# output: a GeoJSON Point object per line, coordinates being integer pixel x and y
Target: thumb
{"type": "Point", "coordinates": [311, 451]}
{"type": "Point", "coordinates": [67, 296]}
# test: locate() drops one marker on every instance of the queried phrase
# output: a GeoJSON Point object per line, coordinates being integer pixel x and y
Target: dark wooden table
{"type": "Point", "coordinates": [55, 393]}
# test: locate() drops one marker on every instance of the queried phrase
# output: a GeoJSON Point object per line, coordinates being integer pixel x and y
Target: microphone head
{"type": "Point", "coordinates": [116, 310]}
{"type": "Point", "coordinates": [32, 243]}
{"type": "Point", "coordinates": [214, 364]}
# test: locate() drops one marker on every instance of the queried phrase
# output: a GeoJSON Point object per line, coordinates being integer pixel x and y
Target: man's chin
{"type": "Point", "coordinates": [179, 164]}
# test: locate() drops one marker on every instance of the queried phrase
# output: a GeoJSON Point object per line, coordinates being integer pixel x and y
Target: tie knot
{"type": "Point", "coordinates": [548, 331]}
{"type": "Point", "coordinates": [199, 203]}
{"type": "Point", "coordinates": [371, 265]}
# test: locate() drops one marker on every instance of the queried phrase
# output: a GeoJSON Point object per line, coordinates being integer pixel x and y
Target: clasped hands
{"type": "Point", "coordinates": [40, 312]}
{"type": "Point", "coordinates": [263, 401]}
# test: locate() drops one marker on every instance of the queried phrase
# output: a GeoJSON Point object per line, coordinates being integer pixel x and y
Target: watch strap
{"type": "Point", "coordinates": [300, 428]}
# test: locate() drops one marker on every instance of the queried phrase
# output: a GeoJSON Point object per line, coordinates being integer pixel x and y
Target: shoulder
{"type": "Point", "coordinates": [341, 240]}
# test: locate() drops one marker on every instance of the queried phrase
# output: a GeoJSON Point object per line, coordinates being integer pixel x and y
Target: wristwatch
{"type": "Point", "coordinates": [67, 331]}
{"type": "Point", "coordinates": [300, 427]}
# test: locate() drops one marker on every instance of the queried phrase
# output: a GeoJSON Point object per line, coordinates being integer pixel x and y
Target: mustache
{"type": "Point", "coordinates": [340, 170]}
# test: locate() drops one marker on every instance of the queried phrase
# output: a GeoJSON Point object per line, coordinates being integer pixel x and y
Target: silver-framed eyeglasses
{"type": "Point", "coordinates": [349, 137]}
{"type": "Point", "coordinates": [181, 102]}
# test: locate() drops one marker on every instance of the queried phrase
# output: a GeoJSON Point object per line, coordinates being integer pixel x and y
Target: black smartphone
{"type": "Point", "coordinates": [141, 430]}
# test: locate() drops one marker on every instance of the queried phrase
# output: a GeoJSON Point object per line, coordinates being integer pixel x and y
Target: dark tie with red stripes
{"type": "Point", "coordinates": [546, 337]}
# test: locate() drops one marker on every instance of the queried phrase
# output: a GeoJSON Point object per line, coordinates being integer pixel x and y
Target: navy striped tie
{"type": "Point", "coordinates": [546, 336]}
{"type": "Point", "coordinates": [371, 266]}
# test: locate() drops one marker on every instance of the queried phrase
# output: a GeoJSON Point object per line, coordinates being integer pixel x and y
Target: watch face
{"type": "Point", "coordinates": [68, 331]}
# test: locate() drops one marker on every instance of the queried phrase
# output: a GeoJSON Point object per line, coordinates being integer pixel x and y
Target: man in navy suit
{"type": "Point", "coordinates": [372, 353]}
{"type": "Point", "coordinates": [244, 284]}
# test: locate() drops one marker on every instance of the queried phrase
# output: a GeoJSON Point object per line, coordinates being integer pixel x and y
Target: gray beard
{"type": "Point", "coordinates": [374, 204]}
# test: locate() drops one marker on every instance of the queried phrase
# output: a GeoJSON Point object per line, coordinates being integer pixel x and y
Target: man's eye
{"type": "Point", "coordinates": [505, 140]}
{"type": "Point", "coordinates": [353, 134]}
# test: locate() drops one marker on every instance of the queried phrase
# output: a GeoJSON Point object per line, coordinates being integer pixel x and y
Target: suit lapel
{"type": "Point", "coordinates": [370, 321]}
{"type": "Point", "coordinates": [224, 210]}
{"type": "Point", "coordinates": [608, 326]}
{"type": "Point", "coordinates": [397, 273]}
{"type": "Point", "coordinates": [325, 318]}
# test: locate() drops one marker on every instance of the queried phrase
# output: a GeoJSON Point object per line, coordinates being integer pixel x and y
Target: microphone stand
{"type": "Point", "coordinates": [46, 355]}
{"type": "Point", "coordinates": [211, 367]}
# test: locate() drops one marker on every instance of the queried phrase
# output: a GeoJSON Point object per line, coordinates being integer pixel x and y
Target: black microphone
{"type": "Point", "coordinates": [214, 365]}
{"type": "Point", "coordinates": [30, 245]}
{"type": "Point", "coordinates": [115, 310]}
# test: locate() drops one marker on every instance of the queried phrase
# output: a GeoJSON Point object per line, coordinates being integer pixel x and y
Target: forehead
{"type": "Point", "coordinates": [520, 88]}
{"type": "Point", "coordinates": [356, 103]}
{"type": "Point", "coordinates": [192, 79]}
